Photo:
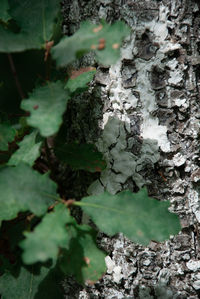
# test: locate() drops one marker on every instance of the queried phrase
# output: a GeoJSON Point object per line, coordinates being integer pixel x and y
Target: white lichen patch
{"type": "Point", "coordinates": [196, 283]}
{"type": "Point", "coordinates": [150, 127]}
{"type": "Point", "coordinates": [193, 197]}
{"type": "Point", "coordinates": [152, 130]}
{"type": "Point", "coordinates": [119, 96]}
{"type": "Point", "coordinates": [176, 73]}
{"type": "Point", "coordinates": [179, 159]}
{"type": "Point", "coordinates": [193, 265]}
{"type": "Point", "coordinates": [117, 275]}
{"type": "Point", "coordinates": [193, 128]}
{"type": "Point", "coordinates": [181, 103]}
{"type": "Point", "coordinates": [160, 27]}
{"type": "Point", "coordinates": [176, 78]}
{"type": "Point", "coordinates": [179, 186]}
{"type": "Point", "coordinates": [109, 264]}
{"type": "Point", "coordinates": [116, 271]}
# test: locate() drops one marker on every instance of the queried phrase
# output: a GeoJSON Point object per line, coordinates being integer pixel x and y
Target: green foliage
{"type": "Point", "coordinates": [24, 189]}
{"type": "Point", "coordinates": [48, 236]}
{"type": "Point", "coordinates": [4, 15]}
{"type": "Point", "coordinates": [138, 216]}
{"type": "Point", "coordinates": [36, 24]}
{"type": "Point", "coordinates": [104, 39]}
{"type": "Point", "coordinates": [35, 282]}
{"type": "Point", "coordinates": [7, 134]}
{"type": "Point", "coordinates": [79, 84]}
{"type": "Point", "coordinates": [46, 112]}
{"type": "Point", "coordinates": [81, 156]}
{"type": "Point", "coordinates": [28, 150]}
{"type": "Point", "coordinates": [27, 173]}
{"type": "Point", "coordinates": [83, 258]}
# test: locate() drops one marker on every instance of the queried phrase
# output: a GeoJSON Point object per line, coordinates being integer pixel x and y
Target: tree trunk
{"type": "Point", "coordinates": [149, 134]}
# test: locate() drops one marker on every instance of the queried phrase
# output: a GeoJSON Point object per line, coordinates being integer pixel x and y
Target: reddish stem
{"type": "Point", "coordinates": [13, 69]}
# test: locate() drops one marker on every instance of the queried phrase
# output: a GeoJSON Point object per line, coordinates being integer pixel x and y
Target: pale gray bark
{"type": "Point", "coordinates": [150, 101]}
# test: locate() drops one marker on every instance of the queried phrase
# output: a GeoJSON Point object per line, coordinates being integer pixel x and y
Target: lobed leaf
{"type": "Point", "coordinates": [7, 134]}
{"type": "Point", "coordinates": [36, 22]}
{"type": "Point", "coordinates": [81, 156]}
{"type": "Point", "coordinates": [32, 282]}
{"type": "Point", "coordinates": [46, 105]}
{"type": "Point", "coordinates": [83, 258]}
{"type": "Point", "coordinates": [28, 151]}
{"type": "Point", "coordinates": [138, 216]}
{"type": "Point", "coordinates": [104, 39]}
{"type": "Point", "coordinates": [24, 189]}
{"type": "Point", "coordinates": [44, 242]}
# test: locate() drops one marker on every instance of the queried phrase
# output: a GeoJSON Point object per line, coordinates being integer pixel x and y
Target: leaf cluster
{"type": "Point", "coordinates": [40, 239]}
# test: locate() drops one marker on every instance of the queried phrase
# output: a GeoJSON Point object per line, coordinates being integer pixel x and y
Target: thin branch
{"type": "Point", "coordinates": [13, 69]}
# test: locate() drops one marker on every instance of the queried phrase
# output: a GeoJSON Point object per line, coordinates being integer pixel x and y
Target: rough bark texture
{"type": "Point", "coordinates": [148, 116]}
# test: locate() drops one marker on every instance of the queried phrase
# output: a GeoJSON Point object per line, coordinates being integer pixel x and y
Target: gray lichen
{"type": "Point", "coordinates": [121, 162]}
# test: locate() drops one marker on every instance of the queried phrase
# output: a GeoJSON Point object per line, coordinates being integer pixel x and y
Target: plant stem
{"type": "Point", "coordinates": [13, 69]}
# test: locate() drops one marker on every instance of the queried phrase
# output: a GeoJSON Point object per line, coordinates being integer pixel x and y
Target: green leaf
{"type": "Point", "coordinates": [104, 39]}
{"type": "Point", "coordinates": [44, 242]}
{"type": "Point", "coordinates": [79, 84]}
{"type": "Point", "coordinates": [28, 151]}
{"type": "Point", "coordinates": [35, 282]}
{"type": "Point", "coordinates": [83, 258]}
{"type": "Point", "coordinates": [4, 16]}
{"type": "Point", "coordinates": [24, 189]}
{"type": "Point", "coordinates": [36, 21]}
{"type": "Point", "coordinates": [46, 105]}
{"type": "Point", "coordinates": [7, 134]}
{"type": "Point", "coordinates": [136, 215]}
{"type": "Point", "coordinates": [81, 156]}
{"type": "Point", "coordinates": [12, 42]}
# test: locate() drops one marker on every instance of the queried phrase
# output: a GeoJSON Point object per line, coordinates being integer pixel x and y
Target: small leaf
{"type": "Point", "coordinates": [50, 101]}
{"type": "Point", "coordinates": [44, 242]}
{"type": "Point", "coordinates": [7, 134]}
{"type": "Point", "coordinates": [138, 216]}
{"type": "Point", "coordinates": [81, 156]}
{"type": "Point", "coordinates": [28, 151]}
{"type": "Point", "coordinates": [32, 282]}
{"type": "Point", "coordinates": [78, 84]}
{"type": "Point", "coordinates": [83, 258]}
{"type": "Point", "coordinates": [4, 16]}
{"type": "Point", "coordinates": [37, 25]}
{"type": "Point", "coordinates": [102, 39]}
{"type": "Point", "coordinates": [24, 189]}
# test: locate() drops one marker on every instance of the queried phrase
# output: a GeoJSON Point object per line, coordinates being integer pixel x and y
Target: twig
{"type": "Point", "coordinates": [47, 58]}
{"type": "Point", "coordinates": [13, 69]}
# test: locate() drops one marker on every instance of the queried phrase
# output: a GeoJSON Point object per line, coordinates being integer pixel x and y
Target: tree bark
{"type": "Point", "coordinates": [148, 131]}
